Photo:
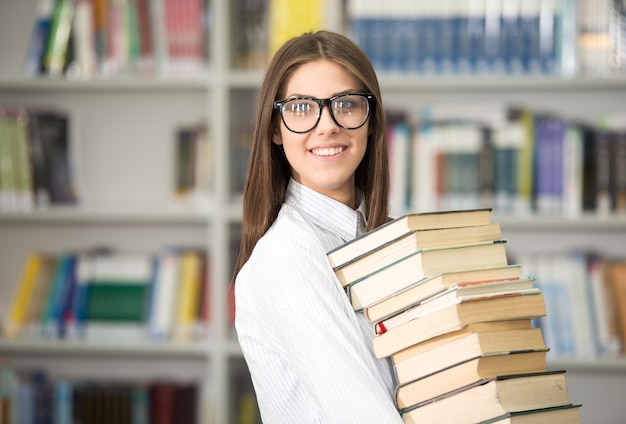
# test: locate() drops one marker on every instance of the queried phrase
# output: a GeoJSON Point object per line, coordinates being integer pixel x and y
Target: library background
{"type": "Point", "coordinates": [123, 147]}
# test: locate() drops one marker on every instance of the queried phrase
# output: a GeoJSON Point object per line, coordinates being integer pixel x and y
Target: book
{"type": "Point", "coordinates": [117, 295]}
{"type": "Point", "coordinates": [184, 26]}
{"type": "Point", "coordinates": [83, 33]}
{"type": "Point", "coordinates": [190, 274]}
{"type": "Point", "coordinates": [203, 300]}
{"type": "Point", "coordinates": [462, 292]}
{"type": "Point", "coordinates": [466, 373]}
{"type": "Point", "coordinates": [40, 294]}
{"type": "Point", "coordinates": [23, 296]}
{"type": "Point", "coordinates": [457, 316]}
{"type": "Point", "coordinates": [567, 414]}
{"type": "Point", "coordinates": [61, 283]}
{"type": "Point", "coordinates": [468, 347]}
{"type": "Point", "coordinates": [402, 225]}
{"type": "Point", "coordinates": [616, 276]}
{"type": "Point", "coordinates": [85, 262]}
{"type": "Point", "coordinates": [435, 284]}
{"type": "Point", "coordinates": [172, 402]}
{"type": "Point", "coordinates": [38, 39]}
{"type": "Point", "coordinates": [288, 19]}
{"type": "Point", "coordinates": [7, 175]}
{"type": "Point", "coordinates": [146, 62]}
{"type": "Point", "coordinates": [51, 156]}
{"type": "Point", "coordinates": [163, 296]}
{"type": "Point", "coordinates": [475, 327]}
{"type": "Point", "coordinates": [57, 41]}
{"type": "Point", "coordinates": [398, 149]}
{"type": "Point", "coordinates": [411, 242]}
{"type": "Point", "coordinates": [422, 264]}
{"type": "Point", "coordinates": [22, 166]}
{"type": "Point", "coordinates": [494, 397]}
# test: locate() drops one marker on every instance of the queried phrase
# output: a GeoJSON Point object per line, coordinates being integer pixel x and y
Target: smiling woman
{"type": "Point", "coordinates": [317, 178]}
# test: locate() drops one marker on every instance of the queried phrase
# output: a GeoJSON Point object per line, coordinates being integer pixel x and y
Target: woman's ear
{"type": "Point", "coordinates": [276, 138]}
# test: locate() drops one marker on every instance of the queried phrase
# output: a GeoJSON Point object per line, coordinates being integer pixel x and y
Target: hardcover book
{"type": "Point", "coordinates": [421, 264]}
{"type": "Point", "coordinates": [403, 225]}
{"type": "Point", "coordinates": [493, 397]}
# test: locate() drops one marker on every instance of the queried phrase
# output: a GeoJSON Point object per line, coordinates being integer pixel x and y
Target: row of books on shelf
{"type": "Point", "coordinates": [36, 397]}
{"type": "Point", "coordinates": [100, 38]}
{"type": "Point", "coordinates": [102, 295]}
{"type": "Point", "coordinates": [38, 161]}
{"type": "Point", "coordinates": [35, 155]}
{"type": "Point", "coordinates": [193, 167]}
{"type": "Point", "coordinates": [469, 37]}
{"type": "Point", "coordinates": [585, 297]}
{"type": "Point", "coordinates": [460, 37]}
{"type": "Point", "coordinates": [455, 319]}
{"type": "Point", "coordinates": [517, 160]}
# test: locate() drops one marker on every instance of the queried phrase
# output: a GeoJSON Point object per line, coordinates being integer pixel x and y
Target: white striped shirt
{"type": "Point", "coordinates": [309, 354]}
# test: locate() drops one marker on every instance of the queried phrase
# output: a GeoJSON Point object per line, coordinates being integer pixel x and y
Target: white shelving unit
{"type": "Point", "coordinates": [123, 138]}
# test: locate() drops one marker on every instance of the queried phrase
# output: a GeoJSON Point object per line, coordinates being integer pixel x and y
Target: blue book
{"type": "Point", "coordinates": [511, 46]}
{"type": "Point", "coordinates": [547, 40]}
{"type": "Point", "coordinates": [38, 40]}
{"type": "Point", "coordinates": [444, 51]}
{"type": "Point", "coordinates": [429, 46]}
{"type": "Point", "coordinates": [459, 20]}
{"type": "Point", "coordinates": [475, 33]}
{"type": "Point", "coordinates": [56, 295]}
{"type": "Point", "coordinates": [493, 31]}
{"type": "Point", "coordinates": [83, 274]}
{"type": "Point", "coordinates": [63, 407]}
{"type": "Point", "coordinates": [529, 32]}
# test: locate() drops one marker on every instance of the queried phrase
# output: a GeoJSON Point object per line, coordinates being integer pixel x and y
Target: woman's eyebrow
{"type": "Point", "coordinates": [346, 91]}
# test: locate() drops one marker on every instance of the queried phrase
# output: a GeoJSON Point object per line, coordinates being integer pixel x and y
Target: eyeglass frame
{"type": "Point", "coordinates": [369, 97]}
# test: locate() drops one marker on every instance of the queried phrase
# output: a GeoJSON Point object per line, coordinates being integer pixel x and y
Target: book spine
{"type": "Point", "coordinates": [54, 62]}
{"type": "Point", "coordinates": [619, 175]}
{"type": "Point", "coordinates": [33, 65]}
{"type": "Point", "coordinates": [8, 196]}
{"type": "Point", "coordinates": [16, 315]}
{"type": "Point", "coordinates": [84, 40]}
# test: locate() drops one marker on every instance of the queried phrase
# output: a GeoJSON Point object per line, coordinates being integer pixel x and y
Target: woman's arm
{"type": "Point", "coordinates": [303, 342]}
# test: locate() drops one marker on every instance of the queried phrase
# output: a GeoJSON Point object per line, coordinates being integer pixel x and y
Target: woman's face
{"type": "Point", "coordinates": [325, 158]}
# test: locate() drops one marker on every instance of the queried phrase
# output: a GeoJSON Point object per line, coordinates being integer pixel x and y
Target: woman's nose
{"type": "Point", "coordinates": [326, 123]}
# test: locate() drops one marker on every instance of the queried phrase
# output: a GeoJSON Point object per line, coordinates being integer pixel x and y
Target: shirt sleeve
{"type": "Point", "coordinates": [308, 355]}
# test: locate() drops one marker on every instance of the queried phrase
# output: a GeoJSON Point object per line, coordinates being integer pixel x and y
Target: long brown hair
{"type": "Point", "coordinates": [268, 170]}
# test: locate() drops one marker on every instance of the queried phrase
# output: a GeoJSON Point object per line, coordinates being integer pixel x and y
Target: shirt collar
{"type": "Point", "coordinates": [325, 212]}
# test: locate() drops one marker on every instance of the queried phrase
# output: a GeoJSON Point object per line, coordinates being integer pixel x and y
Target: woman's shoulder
{"type": "Point", "coordinates": [290, 229]}
{"type": "Point", "coordinates": [289, 246]}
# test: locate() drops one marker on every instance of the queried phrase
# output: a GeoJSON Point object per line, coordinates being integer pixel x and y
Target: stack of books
{"type": "Point", "coordinates": [455, 320]}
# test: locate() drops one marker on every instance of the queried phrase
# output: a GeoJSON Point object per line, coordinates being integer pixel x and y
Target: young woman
{"type": "Point", "coordinates": [317, 178]}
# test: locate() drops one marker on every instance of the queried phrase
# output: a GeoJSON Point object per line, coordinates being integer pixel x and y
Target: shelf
{"type": "Point", "coordinates": [586, 223]}
{"type": "Point", "coordinates": [417, 83]}
{"type": "Point", "coordinates": [245, 79]}
{"type": "Point", "coordinates": [109, 215]}
{"type": "Point", "coordinates": [187, 215]}
{"type": "Point", "coordinates": [192, 350]}
{"type": "Point", "coordinates": [612, 365]}
{"type": "Point", "coordinates": [112, 348]}
{"type": "Point", "coordinates": [203, 350]}
{"type": "Point", "coordinates": [134, 83]}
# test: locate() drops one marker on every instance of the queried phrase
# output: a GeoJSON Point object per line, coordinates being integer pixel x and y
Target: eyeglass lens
{"type": "Point", "coordinates": [302, 115]}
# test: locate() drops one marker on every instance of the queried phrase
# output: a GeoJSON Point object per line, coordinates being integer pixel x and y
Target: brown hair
{"type": "Point", "coordinates": [268, 170]}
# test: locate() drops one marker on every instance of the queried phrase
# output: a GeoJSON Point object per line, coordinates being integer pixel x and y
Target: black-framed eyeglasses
{"type": "Point", "coordinates": [302, 114]}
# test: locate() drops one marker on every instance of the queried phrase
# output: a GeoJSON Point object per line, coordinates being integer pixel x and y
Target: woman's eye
{"type": "Point", "coordinates": [344, 105]}
{"type": "Point", "coordinates": [300, 108]}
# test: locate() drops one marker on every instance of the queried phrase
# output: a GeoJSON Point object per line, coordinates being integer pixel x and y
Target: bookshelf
{"type": "Point", "coordinates": [126, 119]}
